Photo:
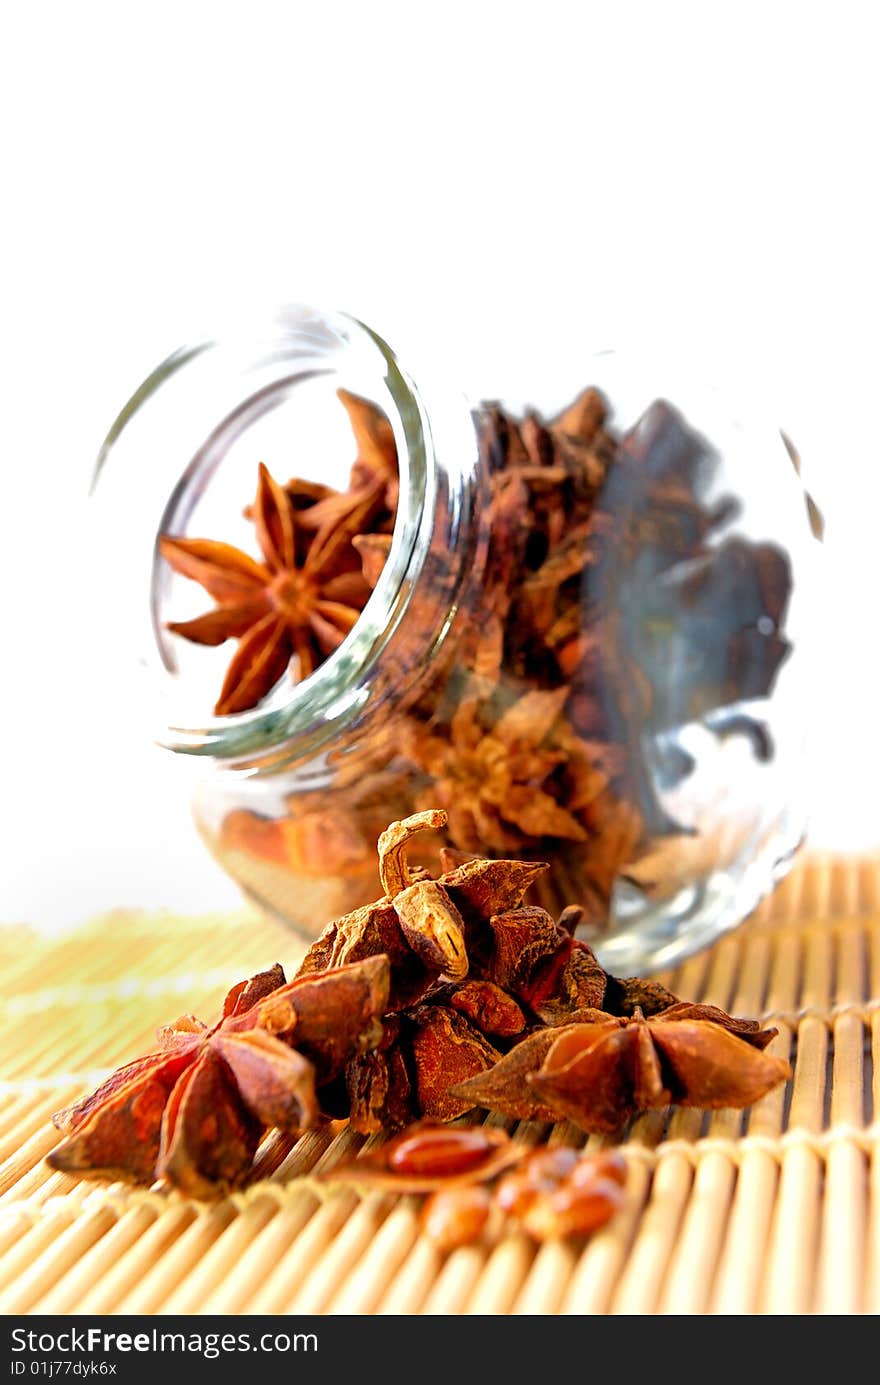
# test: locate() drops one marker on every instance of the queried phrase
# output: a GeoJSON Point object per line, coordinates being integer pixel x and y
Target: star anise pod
{"type": "Point", "coordinates": [473, 969]}
{"type": "Point", "coordinates": [193, 1111]}
{"type": "Point", "coordinates": [470, 970]}
{"type": "Point", "coordinates": [435, 1046]}
{"type": "Point", "coordinates": [466, 941]}
{"type": "Point", "coordinates": [322, 553]}
{"type": "Point", "coordinates": [455, 987]}
{"type": "Point", "coordinates": [374, 474]}
{"type": "Point", "coordinates": [602, 1069]}
{"type": "Point", "coordinates": [298, 603]}
{"type": "Point", "coordinates": [427, 928]}
{"type": "Point", "coordinates": [507, 1088]}
{"type": "Point", "coordinates": [493, 781]}
{"type": "Point", "coordinates": [376, 462]}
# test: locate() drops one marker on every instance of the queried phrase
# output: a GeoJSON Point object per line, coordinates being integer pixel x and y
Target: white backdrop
{"type": "Point", "coordinates": [700, 177]}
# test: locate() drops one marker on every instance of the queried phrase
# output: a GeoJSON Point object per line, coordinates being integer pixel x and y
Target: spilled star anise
{"type": "Point", "coordinates": [193, 1112]}
{"type": "Point", "coordinates": [445, 994]}
{"type": "Point", "coordinates": [480, 987]}
{"type": "Point", "coordinates": [603, 1068]}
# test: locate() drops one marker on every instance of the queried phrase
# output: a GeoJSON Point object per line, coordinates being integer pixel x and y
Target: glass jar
{"type": "Point", "coordinates": [583, 641]}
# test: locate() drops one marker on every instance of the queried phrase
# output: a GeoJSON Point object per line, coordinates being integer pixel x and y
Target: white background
{"type": "Point", "coordinates": [688, 176]}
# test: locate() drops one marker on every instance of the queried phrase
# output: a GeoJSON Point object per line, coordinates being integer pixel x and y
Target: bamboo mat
{"type": "Point", "coordinates": [776, 1210]}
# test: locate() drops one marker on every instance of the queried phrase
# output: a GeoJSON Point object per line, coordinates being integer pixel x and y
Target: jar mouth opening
{"type": "Point", "coordinates": [246, 372]}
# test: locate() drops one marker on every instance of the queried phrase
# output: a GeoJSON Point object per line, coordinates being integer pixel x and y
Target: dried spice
{"type": "Point", "coordinates": [601, 1070]}
{"type": "Point", "coordinates": [376, 462]}
{"type": "Point", "coordinates": [489, 1007]}
{"type": "Point", "coordinates": [462, 962]}
{"type": "Point", "coordinates": [193, 1112]}
{"type": "Point", "coordinates": [623, 996]}
{"type": "Point", "coordinates": [506, 1087]}
{"type": "Point", "coordinates": [550, 1194]}
{"type": "Point", "coordinates": [489, 779]}
{"type": "Point", "coordinates": [295, 607]}
{"type": "Point", "coordinates": [379, 1086]}
{"type": "Point", "coordinates": [427, 928]}
{"type": "Point", "coordinates": [580, 1203]}
{"type": "Point", "coordinates": [446, 1049]}
{"type": "Point", "coordinates": [414, 1067]}
{"type": "Point", "coordinates": [609, 558]}
{"type": "Point", "coordinates": [541, 1172]}
{"type": "Point", "coordinates": [443, 995]}
{"type": "Point", "coordinates": [427, 1156]}
{"type": "Point", "coordinates": [457, 1216]}
{"type": "Point", "coordinates": [525, 980]}
{"type": "Point", "coordinates": [544, 965]}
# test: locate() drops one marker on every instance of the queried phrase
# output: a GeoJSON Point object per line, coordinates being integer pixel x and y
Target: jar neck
{"type": "Point", "coordinates": [437, 549]}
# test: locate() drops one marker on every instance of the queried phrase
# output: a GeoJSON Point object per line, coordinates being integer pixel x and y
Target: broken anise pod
{"type": "Point", "coordinates": [515, 972]}
{"type": "Point", "coordinates": [423, 925]}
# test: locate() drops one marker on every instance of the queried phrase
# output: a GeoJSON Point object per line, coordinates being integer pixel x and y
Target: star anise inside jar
{"type": "Point", "coordinates": [295, 607]}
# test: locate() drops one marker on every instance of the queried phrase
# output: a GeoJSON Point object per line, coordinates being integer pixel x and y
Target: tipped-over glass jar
{"type": "Point", "coordinates": [571, 622]}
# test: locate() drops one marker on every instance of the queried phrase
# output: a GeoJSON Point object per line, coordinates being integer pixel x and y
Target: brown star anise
{"type": "Point", "coordinates": [471, 968]}
{"type": "Point", "coordinates": [374, 474]}
{"type": "Point", "coordinates": [464, 961]}
{"type": "Point", "coordinates": [443, 995]}
{"type": "Point", "coordinates": [193, 1112]}
{"type": "Point", "coordinates": [422, 925]}
{"type": "Point", "coordinates": [430, 1048]}
{"type": "Point", "coordinates": [300, 602]}
{"type": "Point", "coordinates": [603, 1068]}
{"type": "Point", "coordinates": [376, 462]}
{"type": "Point", "coordinates": [492, 781]}
{"type": "Point", "coordinates": [320, 560]}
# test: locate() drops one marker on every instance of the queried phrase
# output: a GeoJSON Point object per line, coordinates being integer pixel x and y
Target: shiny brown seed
{"type": "Point", "coordinates": [438, 1152]}
{"type": "Point", "coordinates": [457, 1216]}
{"type": "Point", "coordinates": [542, 1171]}
{"type": "Point", "coordinates": [571, 1210]}
{"type": "Point", "coordinates": [514, 1194]}
{"type": "Point", "coordinates": [589, 1167]}
{"type": "Point", "coordinates": [547, 1166]}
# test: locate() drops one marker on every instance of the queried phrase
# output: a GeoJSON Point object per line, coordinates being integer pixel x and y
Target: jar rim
{"type": "Point", "coordinates": [301, 717]}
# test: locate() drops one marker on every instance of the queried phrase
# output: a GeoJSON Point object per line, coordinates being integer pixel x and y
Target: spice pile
{"type": "Point", "coordinates": [604, 550]}
{"type": "Point", "coordinates": [445, 995]}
